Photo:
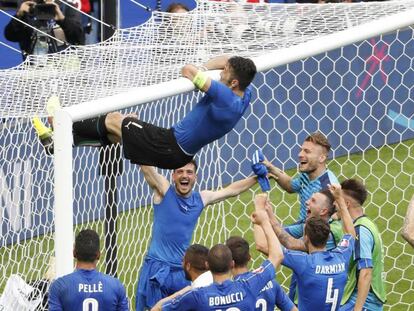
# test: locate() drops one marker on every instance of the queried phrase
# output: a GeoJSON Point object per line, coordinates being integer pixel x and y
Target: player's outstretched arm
{"type": "Point", "coordinates": [217, 62]}
{"type": "Point", "coordinates": [158, 183]}
{"type": "Point", "coordinates": [347, 222]}
{"type": "Point", "coordinates": [408, 228]}
{"type": "Point", "coordinates": [284, 238]}
{"type": "Point", "coordinates": [232, 190]}
{"type": "Point", "coordinates": [283, 179]}
{"type": "Point", "coordinates": [260, 217]}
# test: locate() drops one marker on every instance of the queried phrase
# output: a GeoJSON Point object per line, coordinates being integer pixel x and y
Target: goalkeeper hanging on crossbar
{"type": "Point", "coordinates": [216, 114]}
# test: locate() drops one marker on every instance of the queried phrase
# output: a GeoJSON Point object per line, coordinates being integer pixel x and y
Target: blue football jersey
{"type": "Point", "coordinates": [216, 114]}
{"type": "Point", "coordinates": [87, 290]}
{"type": "Point", "coordinates": [270, 296]}
{"type": "Point", "coordinates": [229, 295]}
{"type": "Point", "coordinates": [321, 276]}
{"type": "Point", "coordinates": [305, 187]}
{"type": "Point", "coordinates": [174, 221]}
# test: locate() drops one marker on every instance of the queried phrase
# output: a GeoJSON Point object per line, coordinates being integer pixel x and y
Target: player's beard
{"type": "Point", "coordinates": [308, 168]}
{"type": "Point", "coordinates": [226, 82]}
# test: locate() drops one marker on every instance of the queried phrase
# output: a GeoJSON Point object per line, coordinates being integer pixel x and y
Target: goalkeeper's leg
{"type": "Point", "coordinates": [89, 132]}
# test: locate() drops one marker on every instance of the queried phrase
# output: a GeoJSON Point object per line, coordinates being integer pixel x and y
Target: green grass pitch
{"type": "Point", "coordinates": [388, 173]}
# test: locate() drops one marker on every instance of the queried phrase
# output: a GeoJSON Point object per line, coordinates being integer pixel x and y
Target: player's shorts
{"type": "Point", "coordinates": [158, 280]}
{"type": "Point", "coordinates": [147, 144]}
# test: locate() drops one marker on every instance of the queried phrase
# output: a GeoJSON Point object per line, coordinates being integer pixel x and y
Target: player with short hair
{"type": "Point", "coordinates": [216, 114]}
{"type": "Point", "coordinates": [320, 204]}
{"type": "Point", "coordinates": [195, 270]}
{"type": "Point", "coordinates": [272, 294]}
{"type": "Point", "coordinates": [407, 231]}
{"type": "Point", "coordinates": [321, 274]}
{"type": "Point", "coordinates": [365, 289]}
{"type": "Point", "coordinates": [176, 211]}
{"type": "Point", "coordinates": [86, 288]}
{"type": "Point", "coordinates": [195, 267]}
{"type": "Point", "coordinates": [225, 293]}
{"type": "Point", "coordinates": [313, 176]}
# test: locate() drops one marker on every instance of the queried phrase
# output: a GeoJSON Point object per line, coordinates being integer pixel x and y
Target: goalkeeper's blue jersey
{"type": "Point", "coordinates": [306, 187]}
{"type": "Point", "coordinates": [270, 296]}
{"type": "Point", "coordinates": [87, 290]}
{"type": "Point", "coordinates": [229, 295]}
{"type": "Point", "coordinates": [211, 118]}
{"type": "Point", "coordinates": [174, 222]}
{"type": "Point", "coordinates": [321, 276]}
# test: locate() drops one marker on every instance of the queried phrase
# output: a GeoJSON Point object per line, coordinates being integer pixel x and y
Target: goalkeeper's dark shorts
{"type": "Point", "coordinates": [147, 144]}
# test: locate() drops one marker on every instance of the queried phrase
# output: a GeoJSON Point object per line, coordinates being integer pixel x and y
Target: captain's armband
{"type": "Point", "coordinates": [200, 79]}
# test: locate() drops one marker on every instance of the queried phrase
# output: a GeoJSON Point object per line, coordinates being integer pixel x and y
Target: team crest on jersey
{"type": "Point", "coordinates": [258, 270]}
{"type": "Point", "coordinates": [344, 243]}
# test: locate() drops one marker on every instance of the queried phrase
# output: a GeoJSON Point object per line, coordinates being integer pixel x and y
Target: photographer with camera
{"type": "Point", "coordinates": [46, 16]}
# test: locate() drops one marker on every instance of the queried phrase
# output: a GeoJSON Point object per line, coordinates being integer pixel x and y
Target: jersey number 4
{"type": "Point", "coordinates": [332, 295]}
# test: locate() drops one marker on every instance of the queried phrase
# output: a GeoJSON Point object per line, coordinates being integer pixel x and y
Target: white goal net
{"type": "Point", "coordinates": [360, 95]}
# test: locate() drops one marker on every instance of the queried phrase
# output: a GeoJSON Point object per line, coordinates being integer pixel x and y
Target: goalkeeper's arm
{"type": "Point", "coordinates": [197, 75]}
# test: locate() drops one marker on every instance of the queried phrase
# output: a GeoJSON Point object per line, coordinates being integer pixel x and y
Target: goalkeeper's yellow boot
{"type": "Point", "coordinates": [45, 135]}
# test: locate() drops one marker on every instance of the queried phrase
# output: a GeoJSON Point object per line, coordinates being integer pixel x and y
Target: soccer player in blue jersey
{"type": "Point", "coordinates": [313, 176]}
{"type": "Point", "coordinates": [216, 114]}
{"type": "Point", "coordinates": [176, 211]}
{"type": "Point", "coordinates": [272, 294]}
{"type": "Point", "coordinates": [322, 274]}
{"type": "Point", "coordinates": [195, 269]}
{"type": "Point", "coordinates": [365, 288]}
{"type": "Point", "coordinates": [225, 294]}
{"type": "Point", "coordinates": [86, 288]}
{"type": "Point", "coordinates": [319, 205]}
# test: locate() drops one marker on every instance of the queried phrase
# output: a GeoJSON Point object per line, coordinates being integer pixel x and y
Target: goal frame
{"type": "Point", "coordinates": [64, 117]}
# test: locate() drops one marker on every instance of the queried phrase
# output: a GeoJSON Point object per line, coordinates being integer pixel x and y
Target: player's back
{"type": "Point", "coordinates": [322, 285]}
{"type": "Point", "coordinates": [271, 295]}
{"type": "Point", "coordinates": [226, 295]}
{"type": "Point", "coordinates": [87, 290]}
{"type": "Point", "coordinates": [321, 275]}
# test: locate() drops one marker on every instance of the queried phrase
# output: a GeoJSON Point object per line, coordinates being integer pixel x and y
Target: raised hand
{"type": "Point", "coordinates": [260, 170]}
{"type": "Point", "coordinates": [336, 191]}
{"type": "Point", "coordinates": [259, 217]}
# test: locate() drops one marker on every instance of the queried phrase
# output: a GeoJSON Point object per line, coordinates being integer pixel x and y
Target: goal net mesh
{"type": "Point", "coordinates": [360, 96]}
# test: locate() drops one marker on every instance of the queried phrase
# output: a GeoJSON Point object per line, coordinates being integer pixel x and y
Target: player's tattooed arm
{"type": "Point", "coordinates": [285, 238]}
